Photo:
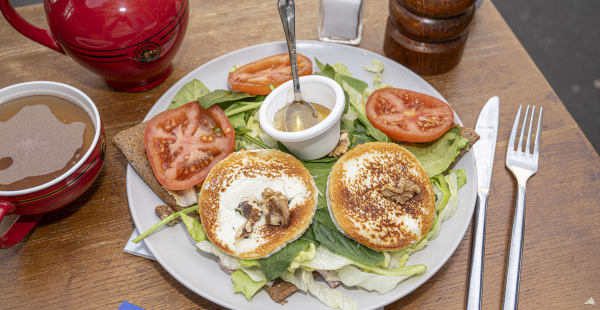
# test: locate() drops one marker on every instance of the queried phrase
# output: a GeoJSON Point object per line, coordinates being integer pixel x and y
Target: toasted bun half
{"type": "Point", "coordinates": [365, 213]}
{"type": "Point", "coordinates": [244, 175]}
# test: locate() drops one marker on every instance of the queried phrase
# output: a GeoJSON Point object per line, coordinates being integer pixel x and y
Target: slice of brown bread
{"type": "Point", "coordinates": [470, 134]}
{"type": "Point", "coordinates": [131, 143]}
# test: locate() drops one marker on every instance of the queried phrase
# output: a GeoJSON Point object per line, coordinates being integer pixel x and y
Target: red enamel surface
{"type": "Point", "coordinates": [130, 43]}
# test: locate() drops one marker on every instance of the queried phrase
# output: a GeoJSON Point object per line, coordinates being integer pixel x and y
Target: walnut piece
{"type": "Point", "coordinates": [402, 192]}
{"type": "Point", "coordinates": [278, 212]}
{"type": "Point", "coordinates": [163, 212]}
{"type": "Point", "coordinates": [244, 231]}
{"type": "Point", "coordinates": [251, 210]}
{"type": "Point", "coordinates": [274, 206]}
{"type": "Point", "coordinates": [342, 146]}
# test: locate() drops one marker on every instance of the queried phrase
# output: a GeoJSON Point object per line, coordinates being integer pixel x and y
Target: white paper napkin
{"type": "Point", "coordinates": [138, 249]}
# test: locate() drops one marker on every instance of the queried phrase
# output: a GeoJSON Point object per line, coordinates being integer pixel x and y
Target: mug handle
{"type": "Point", "coordinates": [19, 229]}
{"type": "Point", "coordinates": [36, 34]}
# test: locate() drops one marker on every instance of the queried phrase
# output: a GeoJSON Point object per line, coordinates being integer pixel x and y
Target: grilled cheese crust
{"type": "Point", "coordinates": [364, 209]}
{"type": "Point", "coordinates": [245, 175]}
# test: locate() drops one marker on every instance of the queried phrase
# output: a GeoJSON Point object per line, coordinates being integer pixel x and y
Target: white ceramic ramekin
{"type": "Point", "coordinates": [314, 142]}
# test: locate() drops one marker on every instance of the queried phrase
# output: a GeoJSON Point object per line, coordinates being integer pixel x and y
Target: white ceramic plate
{"type": "Point", "coordinates": [174, 249]}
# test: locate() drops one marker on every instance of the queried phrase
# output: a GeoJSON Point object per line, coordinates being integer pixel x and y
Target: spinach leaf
{"type": "Point", "coordinates": [322, 160]}
{"type": "Point", "coordinates": [274, 265]}
{"type": "Point", "coordinates": [309, 235]}
{"type": "Point", "coordinates": [320, 172]}
{"type": "Point", "coordinates": [319, 64]}
{"type": "Point", "coordinates": [240, 107]}
{"type": "Point", "coordinates": [359, 135]}
{"type": "Point", "coordinates": [354, 83]}
{"type": "Point", "coordinates": [323, 216]}
{"type": "Point", "coordinates": [336, 242]}
{"type": "Point", "coordinates": [222, 97]}
{"type": "Point", "coordinates": [188, 93]}
{"type": "Point", "coordinates": [326, 70]}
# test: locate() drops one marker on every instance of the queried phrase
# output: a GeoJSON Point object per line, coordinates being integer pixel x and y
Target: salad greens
{"type": "Point", "coordinates": [188, 92]}
{"type": "Point", "coordinates": [357, 93]}
{"type": "Point", "coordinates": [323, 247]}
{"type": "Point", "coordinates": [242, 283]}
{"type": "Point", "coordinates": [278, 262]}
{"type": "Point", "coordinates": [337, 242]}
{"type": "Point", "coordinates": [436, 157]}
{"type": "Point", "coordinates": [223, 97]}
{"type": "Point", "coordinates": [304, 281]}
{"type": "Point", "coordinates": [194, 227]}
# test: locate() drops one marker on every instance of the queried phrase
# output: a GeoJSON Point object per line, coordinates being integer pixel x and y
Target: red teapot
{"type": "Point", "coordinates": [130, 43]}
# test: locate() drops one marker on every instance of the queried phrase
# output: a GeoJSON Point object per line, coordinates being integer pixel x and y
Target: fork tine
{"type": "Point", "coordinates": [513, 133]}
{"type": "Point", "coordinates": [528, 144]}
{"type": "Point", "coordinates": [536, 147]}
{"type": "Point", "coordinates": [520, 145]}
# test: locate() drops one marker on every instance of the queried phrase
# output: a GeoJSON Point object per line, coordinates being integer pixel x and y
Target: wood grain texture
{"type": "Point", "coordinates": [74, 259]}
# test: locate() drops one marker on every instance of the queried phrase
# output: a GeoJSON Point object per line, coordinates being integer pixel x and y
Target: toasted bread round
{"type": "Point", "coordinates": [379, 195]}
{"type": "Point", "coordinates": [243, 176]}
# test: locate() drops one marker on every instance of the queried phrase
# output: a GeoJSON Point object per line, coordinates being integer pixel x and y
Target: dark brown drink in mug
{"type": "Point", "coordinates": [41, 137]}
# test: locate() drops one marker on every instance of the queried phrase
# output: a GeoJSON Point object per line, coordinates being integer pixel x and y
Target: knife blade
{"type": "Point", "coordinates": [484, 149]}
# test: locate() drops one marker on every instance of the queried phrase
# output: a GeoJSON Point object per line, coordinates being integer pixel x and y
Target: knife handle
{"type": "Point", "coordinates": [477, 253]}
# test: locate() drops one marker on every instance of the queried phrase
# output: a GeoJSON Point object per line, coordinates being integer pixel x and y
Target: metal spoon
{"type": "Point", "coordinates": [299, 106]}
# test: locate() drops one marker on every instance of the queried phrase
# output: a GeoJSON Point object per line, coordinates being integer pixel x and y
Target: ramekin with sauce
{"type": "Point", "coordinates": [318, 140]}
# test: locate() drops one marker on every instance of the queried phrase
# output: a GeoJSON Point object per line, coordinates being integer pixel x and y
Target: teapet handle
{"type": "Point", "coordinates": [18, 229]}
{"type": "Point", "coordinates": [36, 34]}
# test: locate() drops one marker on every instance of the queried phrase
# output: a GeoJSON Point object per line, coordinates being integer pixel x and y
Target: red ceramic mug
{"type": "Point", "coordinates": [30, 204]}
{"type": "Point", "coordinates": [130, 43]}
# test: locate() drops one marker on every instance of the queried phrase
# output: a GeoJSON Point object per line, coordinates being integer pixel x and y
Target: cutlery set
{"type": "Point", "coordinates": [523, 163]}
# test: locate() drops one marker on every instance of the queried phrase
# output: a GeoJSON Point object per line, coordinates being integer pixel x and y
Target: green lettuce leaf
{"type": "Point", "coordinates": [227, 261]}
{"type": "Point", "coordinates": [461, 177]}
{"type": "Point", "coordinates": [354, 277]}
{"type": "Point", "coordinates": [320, 173]}
{"type": "Point", "coordinates": [376, 67]}
{"type": "Point", "coordinates": [322, 215]}
{"type": "Point", "coordinates": [446, 203]}
{"type": "Point", "coordinates": [194, 227]}
{"type": "Point", "coordinates": [274, 265]}
{"type": "Point", "coordinates": [223, 98]}
{"type": "Point", "coordinates": [325, 259]}
{"type": "Point", "coordinates": [305, 281]}
{"type": "Point", "coordinates": [188, 93]}
{"type": "Point", "coordinates": [436, 157]}
{"type": "Point", "coordinates": [340, 244]}
{"type": "Point", "coordinates": [241, 106]}
{"type": "Point", "coordinates": [304, 256]}
{"type": "Point", "coordinates": [249, 263]}
{"type": "Point", "coordinates": [252, 270]}
{"type": "Point", "coordinates": [242, 283]}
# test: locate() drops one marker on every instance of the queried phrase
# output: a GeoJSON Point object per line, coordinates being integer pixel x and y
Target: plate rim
{"type": "Point", "coordinates": [225, 303]}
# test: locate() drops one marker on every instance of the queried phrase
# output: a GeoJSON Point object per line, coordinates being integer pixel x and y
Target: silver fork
{"type": "Point", "coordinates": [522, 165]}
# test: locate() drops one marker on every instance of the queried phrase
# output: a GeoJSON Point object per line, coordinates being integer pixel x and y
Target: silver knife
{"type": "Point", "coordinates": [487, 129]}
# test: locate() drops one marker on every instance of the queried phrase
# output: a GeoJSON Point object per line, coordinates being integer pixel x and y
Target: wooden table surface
{"type": "Point", "coordinates": [74, 258]}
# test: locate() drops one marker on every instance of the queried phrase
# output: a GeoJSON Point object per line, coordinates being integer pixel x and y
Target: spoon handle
{"type": "Point", "coordinates": [287, 13]}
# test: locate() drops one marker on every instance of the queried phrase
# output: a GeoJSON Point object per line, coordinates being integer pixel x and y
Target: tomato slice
{"type": "Point", "coordinates": [254, 78]}
{"type": "Point", "coordinates": [409, 116]}
{"type": "Point", "coordinates": [183, 144]}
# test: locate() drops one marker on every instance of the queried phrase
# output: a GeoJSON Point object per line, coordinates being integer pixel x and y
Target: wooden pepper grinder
{"type": "Point", "coordinates": [428, 36]}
